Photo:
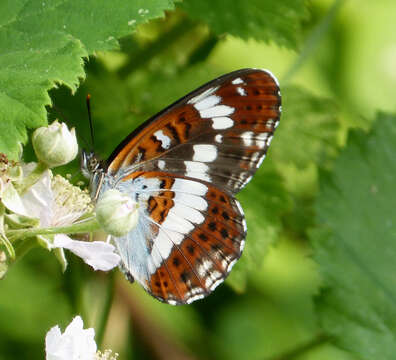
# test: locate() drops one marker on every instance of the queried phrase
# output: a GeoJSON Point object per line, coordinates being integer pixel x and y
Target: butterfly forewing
{"type": "Point", "coordinates": [219, 133]}
{"type": "Point", "coordinates": [184, 166]}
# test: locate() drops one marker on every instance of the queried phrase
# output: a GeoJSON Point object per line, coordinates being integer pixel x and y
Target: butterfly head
{"type": "Point", "coordinates": [89, 163]}
{"type": "Point", "coordinates": [92, 169]}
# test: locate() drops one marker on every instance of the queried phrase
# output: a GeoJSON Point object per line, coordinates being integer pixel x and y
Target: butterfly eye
{"type": "Point", "coordinates": [93, 163]}
{"type": "Point", "coordinates": [89, 163]}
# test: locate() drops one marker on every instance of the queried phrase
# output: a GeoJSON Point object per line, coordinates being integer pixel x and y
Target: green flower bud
{"type": "Point", "coordinates": [55, 145]}
{"type": "Point", "coordinates": [116, 213]}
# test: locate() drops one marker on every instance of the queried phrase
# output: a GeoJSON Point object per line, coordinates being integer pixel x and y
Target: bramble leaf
{"type": "Point", "coordinates": [356, 244]}
{"type": "Point", "coordinates": [43, 43]}
{"type": "Point", "coordinates": [308, 129]}
{"type": "Point", "coordinates": [269, 20]}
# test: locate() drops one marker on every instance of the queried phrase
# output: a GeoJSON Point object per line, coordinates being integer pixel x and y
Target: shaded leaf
{"type": "Point", "coordinates": [268, 20]}
{"type": "Point", "coordinates": [308, 129]}
{"type": "Point", "coordinates": [356, 245]}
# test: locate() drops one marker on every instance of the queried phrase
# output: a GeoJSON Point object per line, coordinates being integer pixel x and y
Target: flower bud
{"type": "Point", "coordinates": [55, 145]}
{"type": "Point", "coordinates": [116, 213]}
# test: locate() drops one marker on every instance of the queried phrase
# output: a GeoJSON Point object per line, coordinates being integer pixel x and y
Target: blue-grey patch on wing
{"type": "Point", "coordinates": [135, 247]}
{"type": "Point", "coordinates": [135, 251]}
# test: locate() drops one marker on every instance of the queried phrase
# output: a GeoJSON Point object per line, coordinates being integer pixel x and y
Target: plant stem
{"type": "Point", "coordinates": [304, 348]}
{"type": "Point", "coordinates": [145, 325]}
{"type": "Point", "coordinates": [106, 308]}
{"type": "Point", "coordinates": [161, 44]}
{"type": "Point", "coordinates": [202, 52]}
{"type": "Point", "coordinates": [313, 40]}
{"type": "Point", "coordinates": [80, 228]}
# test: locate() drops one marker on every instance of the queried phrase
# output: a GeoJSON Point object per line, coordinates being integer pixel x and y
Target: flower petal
{"type": "Point", "coordinates": [98, 254]}
{"type": "Point", "coordinates": [39, 200]}
{"type": "Point", "coordinates": [74, 344]}
{"type": "Point", "coordinates": [76, 326]}
{"type": "Point", "coordinates": [52, 341]}
{"type": "Point", "coordinates": [82, 339]}
{"type": "Point", "coordinates": [11, 199]}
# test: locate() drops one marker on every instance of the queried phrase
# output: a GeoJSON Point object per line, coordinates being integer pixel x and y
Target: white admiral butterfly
{"type": "Point", "coordinates": [184, 166]}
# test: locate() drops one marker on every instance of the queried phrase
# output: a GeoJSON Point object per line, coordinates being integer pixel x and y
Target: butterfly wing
{"type": "Point", "coordinates": [188, 237]}
{"type": "Point", "coordinates": [183, 166]}
{"type": "Point", "coordinates": [219, 133]}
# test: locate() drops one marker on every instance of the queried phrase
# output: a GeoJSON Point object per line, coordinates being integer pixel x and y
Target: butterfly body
{"type": "Point", "coordinates": [184, 166]}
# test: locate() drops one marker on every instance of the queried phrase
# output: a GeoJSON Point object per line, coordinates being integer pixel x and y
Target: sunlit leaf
{"type": "Point", "coordinates": [43, 43]}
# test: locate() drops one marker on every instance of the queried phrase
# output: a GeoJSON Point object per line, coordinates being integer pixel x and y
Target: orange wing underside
{"type": "Point", "coordinates": [256, 111]}
{"type": "Point", "coordinates": [197, 264]}
{"type": "Point", "coordinates": [213, 139]}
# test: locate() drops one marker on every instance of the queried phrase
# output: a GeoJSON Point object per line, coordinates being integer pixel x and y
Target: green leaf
{"type": "Point", "coordinates": [43, 44]}
{"type": "Point", "coordinates": [356, 245]}
{"type": "Point", "coordinates": [307, 132]}
{"type": "Point", "coordinates": [268, 20]}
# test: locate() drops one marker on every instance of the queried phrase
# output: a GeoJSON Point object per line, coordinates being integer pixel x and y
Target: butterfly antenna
{"type": "Point", "coordinates": [90, 119]}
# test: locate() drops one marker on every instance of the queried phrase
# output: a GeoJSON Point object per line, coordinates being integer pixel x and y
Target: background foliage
{"type": "Point", "coordinates": [317, 279]}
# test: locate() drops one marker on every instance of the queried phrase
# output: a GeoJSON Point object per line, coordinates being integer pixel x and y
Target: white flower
{"type": "Point", "coordinates": [98, 254]}
{"type": "Point", "coordinates": [56, 203]}
{"type": "Point", "coordinates": [9, 172]}
{"type": "Point", "coordinates": [55, 145]}
{"type": "Point", "coordinates": [116, 213]}
{"type": "Point", "coordinates": [74, 344]}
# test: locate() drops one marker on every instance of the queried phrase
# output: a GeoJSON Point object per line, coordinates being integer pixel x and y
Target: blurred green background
{"type": "Point", "coordinates": [337, 72]}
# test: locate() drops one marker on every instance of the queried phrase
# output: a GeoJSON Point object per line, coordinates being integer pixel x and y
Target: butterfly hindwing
{"type": "Point", "coordinates": [189, 235]}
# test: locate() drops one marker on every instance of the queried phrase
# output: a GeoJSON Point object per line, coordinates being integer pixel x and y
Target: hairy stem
{"type": "Point", "coordinates": [89, 225]}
